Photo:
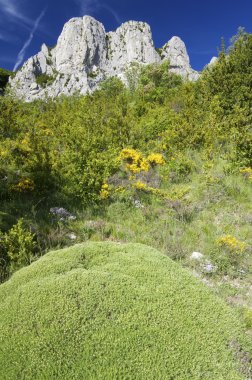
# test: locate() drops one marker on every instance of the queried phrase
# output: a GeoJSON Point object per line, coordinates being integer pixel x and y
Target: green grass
{"type": "Point", "coordinates": [217, 204]}
{"type": "Point", "coordinates": [115, 311]}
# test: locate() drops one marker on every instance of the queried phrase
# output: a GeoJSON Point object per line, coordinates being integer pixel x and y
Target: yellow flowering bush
{"type": "Point", "coordinates": [232, 244]}
{"type": "Point", "coordinates": [24, 185]}
{"type": "Point", "coordinates": [156, 159]}
{"type": "Point", "coordinates": [144, 166]}
{"type": "Point", "coordinates": [136, 163]}
{"type": "Point", "coordinates": [141, 186]}
{"type": "Point", "coordinates": [104, 194]}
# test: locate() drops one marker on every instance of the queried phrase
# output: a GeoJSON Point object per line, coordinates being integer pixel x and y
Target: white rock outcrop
{"type": "Point", "coordinates": [85, 55]}
{"type": "Point", "coordinates": [175, 51]}
{"type": "Point", "coordinates": [131, 42]}
{"type": "Point", "coordinates": [81, 47]}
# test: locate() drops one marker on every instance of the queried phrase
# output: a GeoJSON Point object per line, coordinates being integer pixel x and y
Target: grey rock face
{"type": "Point", "coordinates": [175, 51]}
{"type": "Point", "coordinates": [81, 46]}
{"type": "Point", "coordinates": [85, 55]}
{"type": "Point", "coordinates": [131, 42]}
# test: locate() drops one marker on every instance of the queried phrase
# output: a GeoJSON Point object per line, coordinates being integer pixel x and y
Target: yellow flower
{"type": "Point", "coordinates": [133, 160]}
{"type": "Point", "coordinates": [145, 166]}
{"type": "Point", "coordinates": [232, 244]}
{"type": "Point", "coordinates": [136, 163]}
{"type": "Point", "coordinates": [140, 186]}
{"type": "Point", "coordinates": [104, 193]}
{"type": "Point", "coordinates": [24, 185]}
{"type": "Point", "coordinates": [156, 159]}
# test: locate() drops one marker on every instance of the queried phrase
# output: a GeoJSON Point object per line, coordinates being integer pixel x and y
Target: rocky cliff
{"type": "Point", "coordinates": [85, 55]}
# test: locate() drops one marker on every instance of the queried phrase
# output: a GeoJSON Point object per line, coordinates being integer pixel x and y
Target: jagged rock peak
{"type": "Point", "coordinates": [81, 45]}
{"type": "Point", "coordinates": [175, 51]}
{"type": "Point", "coordinates": [131, 42]}
{"type": "Point", "coordinates": [85, 55]}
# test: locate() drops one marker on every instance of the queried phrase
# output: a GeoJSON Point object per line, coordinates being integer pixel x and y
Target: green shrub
{"type": "Point", "coordinates": [44, 80]}
{"type": "Point", "coordinates": [115, 311]}
{"type": "Point", "coordinates": [19, 245]}
{"type": "Point", "coordinates": [4, 77]}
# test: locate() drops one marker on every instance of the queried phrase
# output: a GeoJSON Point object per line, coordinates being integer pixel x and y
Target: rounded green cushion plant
{"type": "Point", "coordinates": [114, 311]}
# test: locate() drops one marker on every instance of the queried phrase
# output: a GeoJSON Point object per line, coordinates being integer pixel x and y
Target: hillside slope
{"type": "Point", "coordinates": [114, 311]}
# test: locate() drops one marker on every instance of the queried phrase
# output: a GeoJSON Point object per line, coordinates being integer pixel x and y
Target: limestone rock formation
{"type": "Point", "coordinates": [85, 55]}
{"type": "Point", "coordinates": [175, 51]}
{"type": "Point", "coordinates": [81, 47]}
{"type": "Point", "coordinates": [131, 42]}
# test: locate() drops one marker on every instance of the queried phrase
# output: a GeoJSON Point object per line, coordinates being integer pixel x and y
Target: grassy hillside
{"type": "Point", "coordinates": [115, 311]}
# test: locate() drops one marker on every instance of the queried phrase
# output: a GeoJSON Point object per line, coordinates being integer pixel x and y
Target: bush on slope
{"type": "Point", "coordinates": [114, 311]}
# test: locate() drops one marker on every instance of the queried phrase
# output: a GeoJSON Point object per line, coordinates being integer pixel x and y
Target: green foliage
{"type": "Point", "coordinates": [230, 81]}
{"type": "Point", "coordinates": [63, 152]}
{"type": "Point", "coordinates": [112, 87]}
{"type": "Point", "coordinates": [180, 167]}
{"type": "Point", "coordinates": [155, 81]}
{"type": "Point", "coordinates": [4, 77]}
{"type": "Point", "coordinates": [92, 75]}
{"type": "Point", "coordinates": [19, 245]}
{"type": "Point", "coordinates": [182, 184]}
{"type": "Point", "coordinates": [114, 311]}
{"type": "Point", "coordinates": [159, 51]}
{"type": "Point", "coordinates": [44, 80]}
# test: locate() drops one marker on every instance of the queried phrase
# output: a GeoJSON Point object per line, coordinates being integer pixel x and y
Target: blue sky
{"type": "Point", "coordinates": [26, 24]}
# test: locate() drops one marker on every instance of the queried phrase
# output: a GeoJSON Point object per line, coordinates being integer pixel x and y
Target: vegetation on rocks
{"type": "Point", "coordinates": [44, 80]}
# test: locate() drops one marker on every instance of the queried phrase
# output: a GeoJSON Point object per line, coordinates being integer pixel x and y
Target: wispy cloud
{"type": "Point", "coordinates": [88, 7]}
{"type": "Point", "coordinates": [12, 11]}
{"type": "Point", "coordinates": [27, 43]}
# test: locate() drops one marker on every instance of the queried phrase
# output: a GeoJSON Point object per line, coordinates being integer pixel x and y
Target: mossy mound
{"type": "Point", "coordinates": [113, 311]}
